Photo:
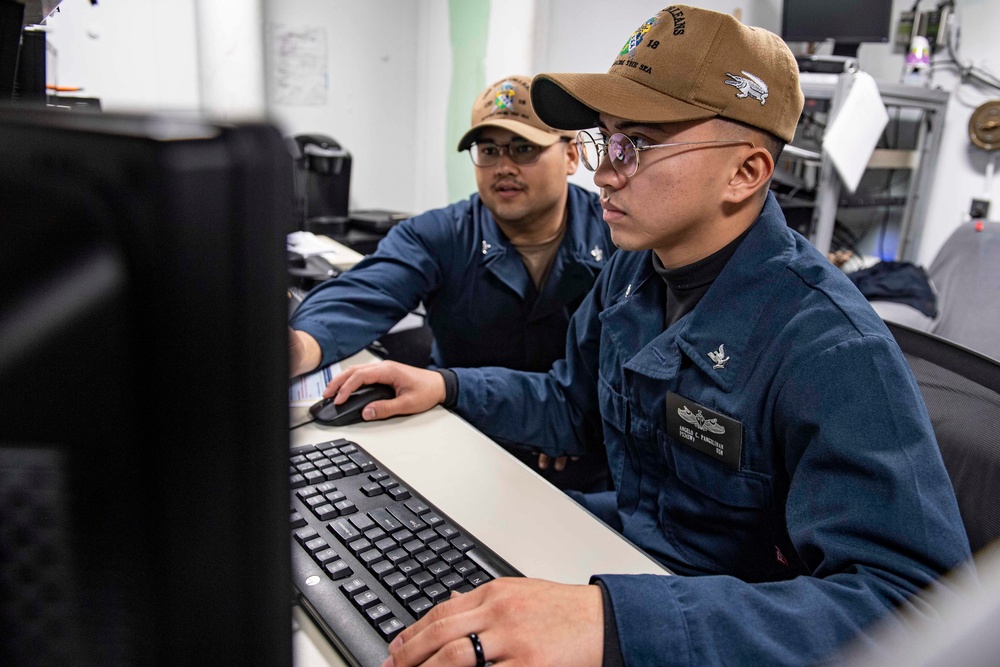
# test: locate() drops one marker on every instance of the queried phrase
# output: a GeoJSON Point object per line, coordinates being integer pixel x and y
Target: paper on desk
{"type": "Point", "coordinates": [305, 390]}
{"type": "Point", "coordinates": [851, 137]}
{"type": "Point", "coordinates": [339, 255]}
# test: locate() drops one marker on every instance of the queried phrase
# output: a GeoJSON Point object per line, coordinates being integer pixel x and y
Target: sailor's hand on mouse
{"type": "Point", "coordinates": [417, 389]}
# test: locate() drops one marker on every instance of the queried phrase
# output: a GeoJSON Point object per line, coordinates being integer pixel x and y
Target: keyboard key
{"type": "Point", "coordinates": [385, 544]}
{"type": "Point", "coordinates": [464, 567]}
{"type": "Point", "coordinates": [438, 545]}
{"type": "Point", "coordinates": [325, 512]}
{"type": "Point", "coordinates": [378, 475]}
{"type": "Point", "coordinates": [421, 578]}
{"type": "Point", "coordinates": [416, 506]}
{"type": "Point", "coordinates": [354, 586]}
{"type": "Point", "coordinates": [385, 520]}
{"type": "Point", "coordinates": [338, 569]}
{"type": "Point", "coordinates": [439, 568]}
{"type": "Point", "coordinates": [363, 461]}
{"type": "Point", "coordinates": [350, 469]}
{"type": "Point", "coordinates": [362, 522]}
{"type": "Point", "coordinates": [325, 487]}
{"type": "Point", "coordinates": [390, 628]}
{"type": "Point", "coordinates": [374, 534]}
{"type": "Point", "coordinates": [408, 566]}
{"type": "Point", "coordinates": [452, 580]}
{"type": "Point", "coordinates": [297, 481]}
{"type": "Point", "coordinates": [372, 489]}
{"type": "Point", "coordinates": [303, 535]}
{"type": "Point", "coordinates": [420, 606]}
{"type": "Point", "coordinates": [344, 531]}
{"type": "Point", "coordinates": [407, 592]}
{"type": "Point", "coordinates": [397, 555]}
{"type": "Point", "coordinates": [426, 557]}
{"type": "Point", "coordinates": [371, 556]}
{"type": "Point", "coordinates": [477, 578]}
{"type": "Point", "coordinates": [365, 599]}
{"type": "Point", "coordinates": [332, 472]}
{"type": "Point", "coordinates": [315, 544]}
{"type": "Point", "coordinates": [402, 535]}
{"type": "Point", "coordinates": [451, 556]}
{"type": "Point", "coordinates": [306, 492]}
{"type": "Point", "coordinates": [447, 531]}
{"type": "Point", "coordinates": [325, 556]}
{"type": "Point", "coordinates": [398, 493]}
{"type": "Point", "coordinates": [382, 568]}
{"type": "Point", "coordinates": [301, 450]}
{"type": "Point", "coordinates": [394, 580]}
{"type": "Point", "coordinates": [462, 543]}
{"type": "Point", "coordinates": [432, 518]}
{"type": "Point", "coordinates": [335, 496]}
{"type": "Point", "coordinates": [388, 483]}
{"type": "Point", "coordinates": [407, 518]}
{"type": "Point", "coordinates": [323, 446]}
{"type": "Point", "coordinates": [436, 592]}
{"type": "Point", "coordinates": [346, 507]}
{"type": "Point", "coordinates": [357, 546]}
{"type": "Point", "coordinates": [377, 612]}
{"type": "Point", "coordinates": [297, 520]}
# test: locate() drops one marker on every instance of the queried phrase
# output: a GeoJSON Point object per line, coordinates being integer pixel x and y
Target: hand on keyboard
{"type": "Point", "coordinates": [518, 621]}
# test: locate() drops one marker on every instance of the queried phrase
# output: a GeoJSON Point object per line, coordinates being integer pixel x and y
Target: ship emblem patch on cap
{"type": "Point", "coordinates": [636, 38]}
{"type": "Point", "coordinates": [748, 85]}
{"type": "Point", "coordinates": [504, 98]}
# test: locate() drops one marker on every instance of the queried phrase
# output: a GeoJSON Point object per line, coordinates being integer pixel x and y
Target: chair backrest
{"type": "Point", "coordinates": [962, 391]}
{"type": "Point", "coordinates": [966, 275]}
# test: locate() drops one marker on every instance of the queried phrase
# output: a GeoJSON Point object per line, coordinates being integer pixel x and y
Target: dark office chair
{"type": "Point", "coordinates": [962, 391]}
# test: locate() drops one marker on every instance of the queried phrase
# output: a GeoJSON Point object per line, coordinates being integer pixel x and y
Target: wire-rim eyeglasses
{"type": "Point", "coordinates": [625, 154]}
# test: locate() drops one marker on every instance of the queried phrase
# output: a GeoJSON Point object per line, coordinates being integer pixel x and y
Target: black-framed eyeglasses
{"type": "Point", "coordinates": [625, 154]}
{"type": "Point", "coordinates": [489, 153]}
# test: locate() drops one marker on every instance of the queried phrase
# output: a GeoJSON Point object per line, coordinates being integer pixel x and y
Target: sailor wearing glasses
{"type": "Point", "coordinates": [499, 273]}
{"type": "Point", "coordinates": [766, 439]}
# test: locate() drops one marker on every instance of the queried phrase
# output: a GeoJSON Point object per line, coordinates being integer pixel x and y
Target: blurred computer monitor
{"type": "Point", "coordinates": [143, 370]}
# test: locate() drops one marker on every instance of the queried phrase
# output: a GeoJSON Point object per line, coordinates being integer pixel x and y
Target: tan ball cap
{"type": "Point", "coordinates": [683, 64]}
{"type": "Point", "coordinates": [507, 104]}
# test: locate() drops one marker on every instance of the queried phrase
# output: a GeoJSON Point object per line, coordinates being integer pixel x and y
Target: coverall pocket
{"type": "Point", "coordinates": [719, 519]}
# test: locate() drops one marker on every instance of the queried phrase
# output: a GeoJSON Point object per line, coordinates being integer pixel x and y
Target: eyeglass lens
{"type": "Point", "coordinates": [487, 153]}
{"type": "Point", "coordinates": [624, 157]}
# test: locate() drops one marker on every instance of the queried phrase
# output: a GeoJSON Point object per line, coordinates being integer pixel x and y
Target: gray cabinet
{"type": "Point", "coordinates": [903, 164]}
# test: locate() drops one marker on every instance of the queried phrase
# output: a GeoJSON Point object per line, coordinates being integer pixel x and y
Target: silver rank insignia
{"type": "Point", "coordinates": [597, 253]}
{"type": "Point", "coordinates": [719, 357]}
{"type": "Point", "coordinates": [486, 247]}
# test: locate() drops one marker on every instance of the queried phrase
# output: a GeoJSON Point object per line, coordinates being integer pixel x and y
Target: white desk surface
{"type": "Point", "coordinates": [533, 525]}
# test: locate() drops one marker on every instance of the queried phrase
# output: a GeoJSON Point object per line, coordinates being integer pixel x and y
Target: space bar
{"type": "Point", "coordinates": [485, 563]}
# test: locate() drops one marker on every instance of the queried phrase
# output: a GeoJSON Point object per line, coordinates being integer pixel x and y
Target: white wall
{"type": "Point", "coordinates": [390, 74]}
{"type": "Point", "coordinates": [132, 54]}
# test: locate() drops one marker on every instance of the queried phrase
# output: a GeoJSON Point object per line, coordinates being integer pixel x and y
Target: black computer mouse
{"type": "Point", "coordinates": [349, 412]}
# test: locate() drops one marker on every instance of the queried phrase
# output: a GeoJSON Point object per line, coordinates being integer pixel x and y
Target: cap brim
{"type": "Point", "coordinates": [532, 134]}
{"type": "Point", "coordinates": [574, 101]}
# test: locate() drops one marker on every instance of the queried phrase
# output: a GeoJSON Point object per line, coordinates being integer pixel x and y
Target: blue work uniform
{"type": "Point", "coordinates": [833, 508]}
{"type": "Point", "coordinates": [482, 305]}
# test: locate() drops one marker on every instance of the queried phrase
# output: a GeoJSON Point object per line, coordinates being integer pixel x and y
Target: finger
{"type": "Point", "coordinates": [439, 634]}
{"type": "Point", "coordinates": [543, 461]}
{"type": "Point", "coordinates": [560, 463]}
{"type": "Point", "coordinates": [347, 382]}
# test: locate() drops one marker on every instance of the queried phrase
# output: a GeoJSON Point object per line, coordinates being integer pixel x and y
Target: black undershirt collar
{"type": "Point", "coordinates": [686, 285]}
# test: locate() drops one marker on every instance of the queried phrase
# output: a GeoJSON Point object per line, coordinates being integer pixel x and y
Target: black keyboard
{"type": "Point", "coordinates": [370, 555]}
